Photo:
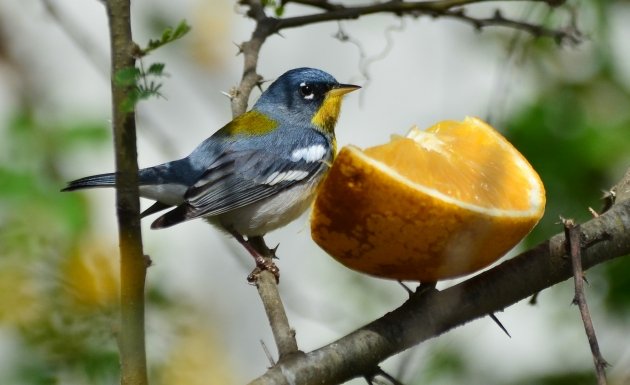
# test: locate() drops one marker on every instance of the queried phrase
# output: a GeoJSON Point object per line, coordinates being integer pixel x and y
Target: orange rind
{"type": "Point", "coordinates": [436, 204]}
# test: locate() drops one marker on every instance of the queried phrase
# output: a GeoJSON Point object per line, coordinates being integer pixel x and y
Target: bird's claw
{"type": "Point", "coordinates": [263, 264]}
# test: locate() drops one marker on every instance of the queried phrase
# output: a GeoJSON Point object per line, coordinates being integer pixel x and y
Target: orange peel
{"type": "Point", "coordinates": [436, 204]}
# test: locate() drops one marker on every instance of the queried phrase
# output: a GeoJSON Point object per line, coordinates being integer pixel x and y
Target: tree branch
{"type": "Point", "coordinates": [283, 335]}
{"type": "Point", "coordinates": [432, 313]}
{"type": "Point", "coordinates": [573, 245]}
{"type": "Point", "coordinates": [267, 26]}
{"type": "Point", "coordinates": [265, 282]}
{"type": "Point", "coordinates": [440, 8]}
{"type": "Point", "coordinates": [250, 49]}
{"type": "Point", "coordinates": [132, 261]}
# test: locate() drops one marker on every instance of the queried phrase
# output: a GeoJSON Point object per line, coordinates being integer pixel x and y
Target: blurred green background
{"type": "Point", "coordinates": [566, 108]}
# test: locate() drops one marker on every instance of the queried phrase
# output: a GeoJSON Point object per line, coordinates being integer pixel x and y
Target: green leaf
{"type": "Point", "coordinates": [133, 97]}
{"type": "Point", "coordinates": [182, 29]}
{"type": "Point", "coordinates": [169, 35]}
{"type": "Point", "coordinates": [127, 76]}
{"type": "Point", "coordinates": [156, 69]}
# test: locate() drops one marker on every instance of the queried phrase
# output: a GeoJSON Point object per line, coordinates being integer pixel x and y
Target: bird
{"type": "Point", "coordinates": [257, 173]}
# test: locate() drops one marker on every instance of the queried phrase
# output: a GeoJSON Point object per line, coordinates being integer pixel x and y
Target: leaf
{"type": "Point", "coordinates": [182, 29]}
{"type": "Point", "coordinates": [127, 76]}
{"type": "Point", "coordinates": [156, 69]}
{"type": "Point", "coordinates": [133, 97]}
{"type": "Point", "coordinates": [279, 10]}
{"type": "Point", "coordinates": [169, 35]}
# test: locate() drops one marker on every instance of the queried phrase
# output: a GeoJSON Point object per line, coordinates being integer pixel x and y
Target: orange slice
{"type": "Point", "coordinates": [436, 204]}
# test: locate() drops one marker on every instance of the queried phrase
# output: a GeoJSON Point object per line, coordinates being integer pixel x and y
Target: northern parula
{"type": "Point", "coordinates": [257, 173]}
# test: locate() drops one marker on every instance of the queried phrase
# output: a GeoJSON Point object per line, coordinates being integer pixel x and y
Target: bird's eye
{"type": "Point", "coordinates": [306, 91]}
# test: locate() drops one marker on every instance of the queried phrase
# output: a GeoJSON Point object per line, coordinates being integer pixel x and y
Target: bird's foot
{"type": "Point", "coordinates": [263, 264]}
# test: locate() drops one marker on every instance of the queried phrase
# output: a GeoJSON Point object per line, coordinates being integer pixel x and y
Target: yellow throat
{"type": "Point", "coordinates": [326, 117]}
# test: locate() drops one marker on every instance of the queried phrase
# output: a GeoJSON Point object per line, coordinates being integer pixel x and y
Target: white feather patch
{"type": "Point", "coordinates": [169, 193]}
{"type": "Point", "coordinates": [277, 177]}
{"type": "Point", "coordinates": [310, 154]}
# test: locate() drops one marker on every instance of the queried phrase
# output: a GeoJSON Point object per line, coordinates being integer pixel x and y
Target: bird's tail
{"type": "Point", "coordinates": [100, 180]}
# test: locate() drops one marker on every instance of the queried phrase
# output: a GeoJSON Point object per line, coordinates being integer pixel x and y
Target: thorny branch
{"type": "Point", "coordinates": [573, 244]}
{"type": "Point", "coordinates": [283, 335]}
{"type": "Point", "coordinates": [330, 11]}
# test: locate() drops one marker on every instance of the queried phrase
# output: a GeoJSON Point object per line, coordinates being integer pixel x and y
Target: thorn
{"type": "Point", "coordinates": [239, 48]}
{"type": "Point", "coordinates": [609, 199]}
{"type": "Point", "coordinates": [496, 320]}
{"type": "Point", "coordinates": [498, 16]}
{"type": "Point", "coordinates": [534, 299]}
{"type": "Point", "coordinates": [407, 289]}
{"type": "Point", "coordinates": [603, 363]}
{"type": "Point", "coordinates": [567, 222]}
{"type": "Point", "coordinates": [561, 220]}
{"type": "Point", "coordinates": [148, 261]}
{"type": "Point", "coordinates": [259, 84]}
{"type": "Point", "coordinates": [593, 212]}
{"type": "Point", "coordinates": [231, 94]}
{"type": "Point", "coordinates": [273, 251]}
{"type": "Point", "coordinates": [268, 354]}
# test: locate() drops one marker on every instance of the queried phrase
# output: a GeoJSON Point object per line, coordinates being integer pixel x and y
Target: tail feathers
{"type": "Point", "coordinates": [155, 208]}
{"type": "Point", "coordinates": [101, 180]}
{"type": "Point", "coordinates": [177, 215]}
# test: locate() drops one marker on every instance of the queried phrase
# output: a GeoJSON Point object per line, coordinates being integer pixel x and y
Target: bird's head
{"type": "Point", "coordinates": [305, 95]}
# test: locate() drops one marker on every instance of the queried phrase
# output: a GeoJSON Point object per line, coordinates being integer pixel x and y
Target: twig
{"type": "Point", "coordinates": [266, 283]}
{"type": "Point", "coordinates": [573, 248]}
{"type": "Point", "coordinates": [267, 26]}
{"type": "Point", "coordinates": [321, 4]}
{"type": "Point", "coordinates": [447, 8]}
{"type": "Point", "coordinates": [133, 263]}
{"type": "Point", "coordinates": [250, 50]}
{"type": "Point", "coordinates": [283, 335]}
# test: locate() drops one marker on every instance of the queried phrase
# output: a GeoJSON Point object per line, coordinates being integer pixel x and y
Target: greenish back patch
{"type": "Point", "coordinates": [251, 123]}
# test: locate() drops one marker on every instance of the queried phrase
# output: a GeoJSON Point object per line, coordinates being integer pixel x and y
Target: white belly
{"type": "Point", "coordinates": [269, 214]}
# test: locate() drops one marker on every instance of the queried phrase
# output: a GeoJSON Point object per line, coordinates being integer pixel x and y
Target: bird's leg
{"type": "Point", "coordinates": [267, 254]}
{"type": "Point", "coordinates": [261, 262]}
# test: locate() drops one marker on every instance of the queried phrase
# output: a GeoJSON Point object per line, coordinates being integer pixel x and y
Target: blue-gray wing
{"type": "Point", "coordinates": [239, 178]}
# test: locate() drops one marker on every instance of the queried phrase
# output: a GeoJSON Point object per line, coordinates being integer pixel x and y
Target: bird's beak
{"type": "Point", "coordinates": [342, 89]}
